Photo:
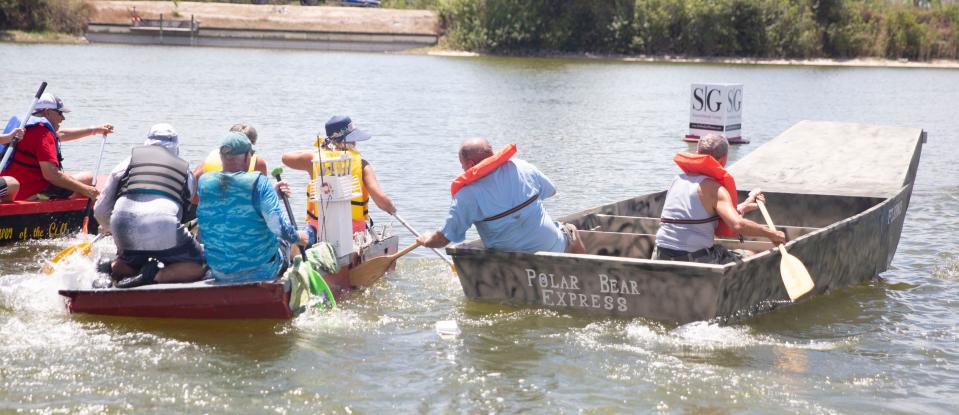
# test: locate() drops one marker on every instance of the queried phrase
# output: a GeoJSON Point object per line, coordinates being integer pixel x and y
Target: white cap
{"type": "Point", "coordinates": [164, 135]}
{"type": "Point", "coordinates": [49, 101]}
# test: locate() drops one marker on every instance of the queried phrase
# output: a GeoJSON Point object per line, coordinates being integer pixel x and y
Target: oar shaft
{"type": "Point", "coordinates": [86, 212]}
{"type": "Point", "coordinates": [417, 234]}
{"type": "Point", "coordinates": [289, 212]}
{"type": "Point", "coordinates": [13, 144]}
{"type": "Point", "coordinates": [769, 220]}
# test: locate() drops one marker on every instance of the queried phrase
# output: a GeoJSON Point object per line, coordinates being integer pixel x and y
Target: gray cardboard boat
{"type": "Point", "coordinates": [840, 191]}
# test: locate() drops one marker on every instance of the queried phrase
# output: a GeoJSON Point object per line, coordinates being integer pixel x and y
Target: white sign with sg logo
{"type": "Point", "coordinates": [716, 108]}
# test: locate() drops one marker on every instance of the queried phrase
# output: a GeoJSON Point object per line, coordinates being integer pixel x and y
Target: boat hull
{"type": "Point", "coordinates": [843, 239]}
{"type": "Point", "coordinates": [210, 300]}
{"type": "Point", "coordinates": [22, 220]}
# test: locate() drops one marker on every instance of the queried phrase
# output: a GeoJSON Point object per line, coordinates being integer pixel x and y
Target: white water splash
{"type": "Point", "coordinates": [703, 335]}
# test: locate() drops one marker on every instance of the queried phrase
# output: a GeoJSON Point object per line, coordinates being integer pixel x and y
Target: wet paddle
{"type": "Point", "coordinates": [417, 234]}
{"type": "Point", "coordinates": [84, 248]}
{"type": "Point", "coordinates": [794, 274]}
{"type": "Point", "coordinates": [86, 212]}
{"type": "Point", "coordinates": [368, 272]}
{"type": "Point", "coordinates": [318, 285]}
{"type": "Point", "coordinates": [23, 121]}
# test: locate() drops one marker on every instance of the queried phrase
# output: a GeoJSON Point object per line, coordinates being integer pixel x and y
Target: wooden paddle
{"type": "Point", "coordinates": [368, 272]}
{"type": "Point", "coordinates": [417, 234]}
{"type": "Point", "coordinates": [794, 274]}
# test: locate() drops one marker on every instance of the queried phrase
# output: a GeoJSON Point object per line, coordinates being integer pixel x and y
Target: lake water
{"type": "Point", "coordinates": [603, 131]}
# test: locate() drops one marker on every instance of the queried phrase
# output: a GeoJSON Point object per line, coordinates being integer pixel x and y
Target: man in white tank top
{"type": "Point", "coordinates": [694, 205]}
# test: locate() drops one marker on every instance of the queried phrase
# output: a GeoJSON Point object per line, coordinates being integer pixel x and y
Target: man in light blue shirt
{"type": "Point", "coordinates": [503, 198]}
{"type": "Point", "coordinates": [246, 235]}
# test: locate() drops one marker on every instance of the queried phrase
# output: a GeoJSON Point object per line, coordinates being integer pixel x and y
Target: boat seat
{"type": "Point", "coordinates": [640, 245]}
{"type": "Point", "coordinates": [646, 225]}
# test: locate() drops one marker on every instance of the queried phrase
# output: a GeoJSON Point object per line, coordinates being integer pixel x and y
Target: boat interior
{"type": "Point", "coordinates": [628, 228]}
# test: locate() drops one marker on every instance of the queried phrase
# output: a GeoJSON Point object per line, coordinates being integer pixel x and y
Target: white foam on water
{"type": "Point", "coordinates": [703, 335]}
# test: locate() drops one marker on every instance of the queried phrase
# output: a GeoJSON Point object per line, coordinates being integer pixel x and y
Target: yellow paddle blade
{"type": "Point", "coordinates": [795, 276]}
{"type": "Point", "coordinates": [83, 247]}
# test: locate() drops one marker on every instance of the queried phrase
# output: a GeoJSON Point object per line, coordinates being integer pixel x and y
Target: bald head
{"type": "Point", "coordinates": [473, 151]}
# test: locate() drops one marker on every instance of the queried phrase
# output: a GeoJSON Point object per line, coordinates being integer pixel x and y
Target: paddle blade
{"type": "Point", "coordinates": [795, 276]}
{"type": "Point", "coordinates": [84, 248]}
{"type": "Point", "coordinates": [318, 286]}
{"type": "Point", "coordinates": [368, 272]}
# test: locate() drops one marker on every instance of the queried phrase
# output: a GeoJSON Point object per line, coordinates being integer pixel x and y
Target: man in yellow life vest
{"type": "Point", "coordinates": [213, 163]}
{"type": "Point", "coordinates": [340, 144]}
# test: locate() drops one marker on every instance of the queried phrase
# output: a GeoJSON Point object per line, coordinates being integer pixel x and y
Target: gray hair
{"type": "Point", "coordinates": [246, 129]}
{"type": "Point", "coordinates": [713, 144]}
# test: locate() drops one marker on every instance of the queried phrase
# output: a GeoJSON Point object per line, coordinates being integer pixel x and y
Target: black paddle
{"type": "Point", "coordinates": [317, 284]}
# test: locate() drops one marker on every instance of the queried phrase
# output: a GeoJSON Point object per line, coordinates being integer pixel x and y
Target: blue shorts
{"type": "Point", "coordinates": [189, 251]}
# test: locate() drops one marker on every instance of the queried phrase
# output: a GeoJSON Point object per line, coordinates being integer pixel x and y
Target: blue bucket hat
{"type": "Point", "coordinates": [340, 129]}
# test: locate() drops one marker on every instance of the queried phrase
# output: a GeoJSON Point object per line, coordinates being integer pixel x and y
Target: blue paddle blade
{"type": "Point", "coordinates": [13, 123]}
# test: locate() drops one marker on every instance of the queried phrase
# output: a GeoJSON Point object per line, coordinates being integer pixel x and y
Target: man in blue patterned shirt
{"type": "Point", "coordinates": [246, 234]}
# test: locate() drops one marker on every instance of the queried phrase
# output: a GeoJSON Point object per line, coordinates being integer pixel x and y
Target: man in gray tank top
{"type": "Point", "coordinates": [694, 206]}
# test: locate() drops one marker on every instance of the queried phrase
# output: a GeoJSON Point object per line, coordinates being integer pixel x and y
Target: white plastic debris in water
{"type": "Point", "coordinates": [447, 329]}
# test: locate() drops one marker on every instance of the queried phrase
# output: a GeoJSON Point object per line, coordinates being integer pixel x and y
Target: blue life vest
{"type": "Point", "coordinates": [235, 235]}
{"type": "Point", "coordinates": [11, 125]}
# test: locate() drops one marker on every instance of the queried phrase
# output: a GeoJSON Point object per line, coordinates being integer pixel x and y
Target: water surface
{"type": "Point", "coordinates": [603, 131]}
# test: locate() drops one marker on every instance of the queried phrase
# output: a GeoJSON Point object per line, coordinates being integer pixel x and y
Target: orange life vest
{"type": "Point", "coordinates": [706, 165]}
{"type": "Point", "coordinates": [483, 168]}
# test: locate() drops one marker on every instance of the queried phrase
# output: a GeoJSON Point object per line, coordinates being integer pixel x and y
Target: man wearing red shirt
{"type": "Point", "coordinates": [37, 162]}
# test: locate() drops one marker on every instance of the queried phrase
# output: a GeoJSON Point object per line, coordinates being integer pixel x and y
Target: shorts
{"type": "Point", "coordinates": [3, 188]}
{"type": "Point", "coordinates": [53, 192]}
{"type": "Point", "coordinates": [188, 251]}
{"type": "Point", "coordinates": [716, 254]}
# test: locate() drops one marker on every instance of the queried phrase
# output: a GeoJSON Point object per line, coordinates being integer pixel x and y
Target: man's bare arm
{"type": "Point", "coordinates": [376, 193]}
{"type": "Point", "coordinates": [728, 213]}
{"type": "Point", "coordinates": [299, 160]}
{"type": "Point", "coordinates": [434, 239]}
{"type": "Point", "coordinates": [60, 179]}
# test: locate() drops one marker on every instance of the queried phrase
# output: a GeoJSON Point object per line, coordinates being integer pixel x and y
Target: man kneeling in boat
{"type": "Point", "coordinates": [503, 198]}
{"type": "Point", "coordinates": [701, 204]}
{"type": "Point", "coordinates": [246, 235]}
{"type": "Point", "coordinates": [142, 205]}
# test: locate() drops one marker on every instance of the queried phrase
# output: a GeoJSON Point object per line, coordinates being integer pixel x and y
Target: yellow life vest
{"type": "Point", "coordinates": [213, 162]}
{"type": "Point", "coordinates": [335, 165]}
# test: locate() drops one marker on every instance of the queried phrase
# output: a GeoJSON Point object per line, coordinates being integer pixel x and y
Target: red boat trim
{"type": "Point", "coordinates": [23, 207]}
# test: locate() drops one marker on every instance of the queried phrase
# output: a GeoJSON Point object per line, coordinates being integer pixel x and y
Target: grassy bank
{"type": "Point", "coordinates": [790, 29]}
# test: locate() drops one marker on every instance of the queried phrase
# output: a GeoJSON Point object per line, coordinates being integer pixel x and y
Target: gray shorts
{"type": "Point", "coordinates": [716, 254]}
{"type": "Point", "coordinates": [188, 251]}
{"type": "Point", "coordinates": [3, 187]}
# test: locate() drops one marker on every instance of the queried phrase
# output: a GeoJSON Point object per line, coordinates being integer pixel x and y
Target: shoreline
{"type": "Point", "coordinates": [864, 62]}
{"type": "Point", "coordinates": [16, 36]}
